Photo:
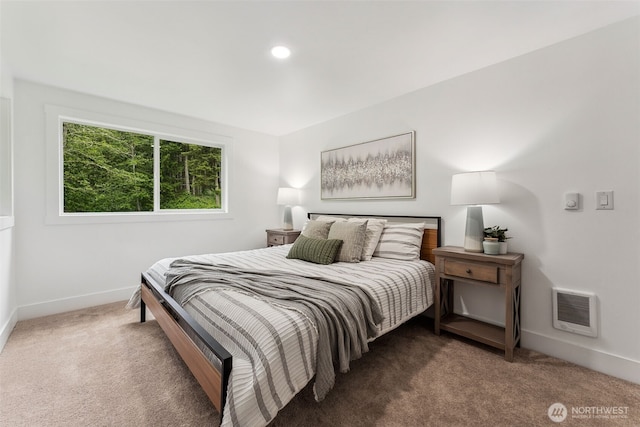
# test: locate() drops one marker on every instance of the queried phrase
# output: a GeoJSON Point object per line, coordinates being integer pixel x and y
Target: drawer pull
{"type": "Point", "coordinates": [468, 271]}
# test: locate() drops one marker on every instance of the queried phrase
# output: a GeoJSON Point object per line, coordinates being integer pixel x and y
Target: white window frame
{"type": "Point", "coordinates": [7, 219]}
{"type": "Point", "coordinates": [56, 116]}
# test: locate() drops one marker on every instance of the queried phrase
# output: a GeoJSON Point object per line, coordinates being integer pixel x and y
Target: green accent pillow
{"type": "Point", "coordinates": [318, 251]}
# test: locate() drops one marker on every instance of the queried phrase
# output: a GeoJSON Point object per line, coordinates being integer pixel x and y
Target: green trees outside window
{"type": "Point", "coordinates": [189, 176]}
{"type": "Point", "coordinates": [108, 170]}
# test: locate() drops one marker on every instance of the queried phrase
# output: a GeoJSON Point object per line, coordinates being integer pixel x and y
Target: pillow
{"type": "Point", "coordinates": [371, 237]}
{"type": "Point", "coordinates": [329, 218]}
{"type": "Point", "coordinates": [317, 229]}
{"type": "Point", "coordinates": [352, 235]}
{"type": "Point", "coordinates": [400, 241]}
{"type": "Point", "coordinates": [318, 251]}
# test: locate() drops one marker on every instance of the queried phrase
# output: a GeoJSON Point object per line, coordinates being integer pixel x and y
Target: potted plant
{"type": "Point", "coordinates": [495, 240]}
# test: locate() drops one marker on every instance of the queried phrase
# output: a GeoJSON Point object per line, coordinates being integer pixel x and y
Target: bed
{"type": "Point", "coordinates": [252, 346]}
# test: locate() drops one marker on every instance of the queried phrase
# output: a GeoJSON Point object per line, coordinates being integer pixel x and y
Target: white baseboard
{"type": "Point", "coordinates": [63, 305]}
{"type": "Point", "coordinates": [7, 328]}
{"type": "Point", "coordinates": [610, 364]}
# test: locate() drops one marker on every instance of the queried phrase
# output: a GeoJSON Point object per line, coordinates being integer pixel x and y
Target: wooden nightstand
{"type": "Point", "coordinates": [278, 236]}
{"type": "Point", "coordinates": [453, 264]}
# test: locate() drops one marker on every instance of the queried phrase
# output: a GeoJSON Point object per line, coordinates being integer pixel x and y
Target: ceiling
{"type": "Point", "coordinates": [210, 59]}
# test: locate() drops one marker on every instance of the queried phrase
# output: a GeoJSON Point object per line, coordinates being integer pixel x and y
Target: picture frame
{"type": "Point", "coordinates": [380, 169]}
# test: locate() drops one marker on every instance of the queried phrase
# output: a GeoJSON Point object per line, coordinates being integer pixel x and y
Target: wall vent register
{"type": "Point", "coordinates": [575, 312]}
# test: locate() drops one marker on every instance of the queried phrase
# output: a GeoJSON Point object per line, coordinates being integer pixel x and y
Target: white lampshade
{"type": "Point", "coordinates": [474, 188]}
{"type": "Point", "coordinates": [288, 197]}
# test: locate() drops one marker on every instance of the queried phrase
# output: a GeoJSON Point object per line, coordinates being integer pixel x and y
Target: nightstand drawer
{"type": "Point", "coordinates": [275, 239]}
{"type": "Point", "coordinates": [469, 270]}
{"type": "Point", "coordinates": [278, 236]}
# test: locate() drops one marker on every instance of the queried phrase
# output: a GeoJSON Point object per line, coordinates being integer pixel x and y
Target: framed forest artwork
{"type": "Point", "coordinates": [379, 169]}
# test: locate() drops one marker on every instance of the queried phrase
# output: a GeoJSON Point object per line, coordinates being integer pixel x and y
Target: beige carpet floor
{"type": "Point", "coordinates": [100, 367]}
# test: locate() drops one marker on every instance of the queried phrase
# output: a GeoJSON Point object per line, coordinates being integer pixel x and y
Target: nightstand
{"type": "Point", "coordinates": [453, 264]}
{"type": "Point", "coordinates": [278, 236]}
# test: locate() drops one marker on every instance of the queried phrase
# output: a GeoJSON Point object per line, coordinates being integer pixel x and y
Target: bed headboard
{"type": "Point", "coordinates": [431, 238]}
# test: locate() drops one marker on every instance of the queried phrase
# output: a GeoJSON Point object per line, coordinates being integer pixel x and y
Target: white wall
{"type": "Point", "coordinates": [65, 267]}
{"type": "Point", "coordinates": [8, 299]}
{"type": "Point", "coordinates": [561, 119]}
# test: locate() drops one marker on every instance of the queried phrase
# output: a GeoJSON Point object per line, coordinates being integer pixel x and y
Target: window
{"type": "Point", "coordinates": [6, 163]}
{"type": "Point", "coordinates": [106, 170]}
{"type": "Point", "coordinates": [189, 176]}
{"type": "Point", "coordinates": [109, 168]}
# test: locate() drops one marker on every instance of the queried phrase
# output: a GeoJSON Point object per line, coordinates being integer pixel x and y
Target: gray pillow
{"type": "Point", "coordinates": [319, 251]}
{"type": "Point", "coordinates": [352, 235]}
{"type": "Point", "coordinates": [317, 229]}
{"type": "Point", "coordinates": [371, 236]}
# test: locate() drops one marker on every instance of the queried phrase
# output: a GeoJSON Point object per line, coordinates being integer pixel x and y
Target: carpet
{"type": "Point", "coordinates": [101, 367]}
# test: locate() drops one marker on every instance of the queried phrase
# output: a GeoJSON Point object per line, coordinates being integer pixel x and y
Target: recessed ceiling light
{"type": "Point", "coordinates": [281, 52]}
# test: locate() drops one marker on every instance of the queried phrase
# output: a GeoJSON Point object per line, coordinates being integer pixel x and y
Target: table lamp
{"type": "Point", "coordinates": [474, 188]}
{"type": "Point", "coordinates": [288, 197]}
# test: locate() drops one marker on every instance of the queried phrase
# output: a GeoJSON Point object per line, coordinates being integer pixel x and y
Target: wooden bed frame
{"type": "Point", "coordinates": [209, 362]}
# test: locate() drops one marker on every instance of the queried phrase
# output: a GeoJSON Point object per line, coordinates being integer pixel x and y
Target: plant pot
{"type": "Point", "coordinates": [503, 248]}
{"type": "Point", "coordinates": [491, 246]}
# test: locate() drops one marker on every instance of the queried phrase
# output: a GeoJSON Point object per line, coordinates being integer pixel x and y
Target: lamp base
{"type": "Point", "coordinates": [287, 223]}
{"type": "Point", "coordinates": [474, 232]}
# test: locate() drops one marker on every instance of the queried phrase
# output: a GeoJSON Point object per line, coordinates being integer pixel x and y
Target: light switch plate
{"type": "Point", "coordinates": [604, 200]}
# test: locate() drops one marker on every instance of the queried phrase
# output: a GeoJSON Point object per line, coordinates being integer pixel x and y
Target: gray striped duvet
{"type": "Point", "coordinates": [273, 346]}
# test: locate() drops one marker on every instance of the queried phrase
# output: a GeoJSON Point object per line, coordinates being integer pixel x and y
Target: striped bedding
{"type": "Point", "coordinates": [274, 347]}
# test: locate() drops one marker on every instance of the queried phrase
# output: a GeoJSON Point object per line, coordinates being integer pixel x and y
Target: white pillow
{"type": "Point", "coordinates": [329, 218]}
{"type": "Point", "coordinates": [400, 241]}
{"type": "Point", "coordinates": [372, 235]}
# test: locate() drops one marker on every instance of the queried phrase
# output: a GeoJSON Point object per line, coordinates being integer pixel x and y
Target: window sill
{"type": "Point", "coordinates": [6, 222]}
{"type": "Point", "coordinates": [122, 218]}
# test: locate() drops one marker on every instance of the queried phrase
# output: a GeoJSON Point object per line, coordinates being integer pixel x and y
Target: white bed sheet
{"type": "Point", "coordinates": [269, 369]}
